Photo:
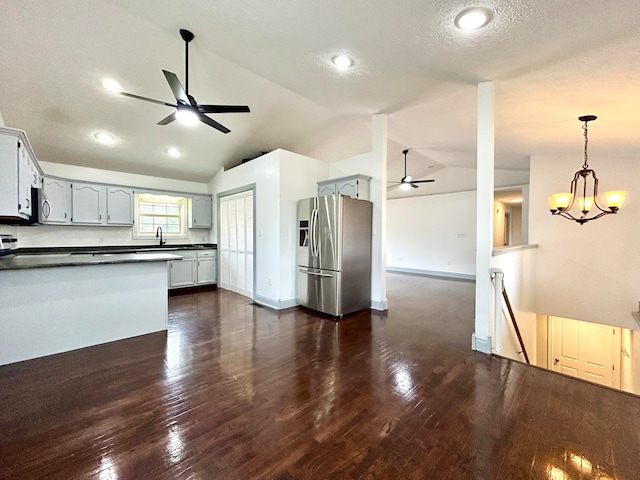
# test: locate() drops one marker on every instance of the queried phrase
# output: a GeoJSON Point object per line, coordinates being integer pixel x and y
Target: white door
{"type": "Point", "coordinates": [589, 351]}
{"type": "Point", "coordinates": [235, 243]}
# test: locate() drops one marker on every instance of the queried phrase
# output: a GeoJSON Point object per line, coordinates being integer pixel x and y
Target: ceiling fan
{"type": "Point", "coordinates": [187, 109]}
{"type": "Point", "coordinates": [407, 181]}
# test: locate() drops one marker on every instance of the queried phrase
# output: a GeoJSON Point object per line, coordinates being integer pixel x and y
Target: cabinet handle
{"type": "Point", "coordinates": [28, 203]}
{"type": "Point", "coordinates": [100, 217]}
{"type": "Point", "coordinates": [65, 214]}
{"type": "Point", "coordinates": [46, 209]}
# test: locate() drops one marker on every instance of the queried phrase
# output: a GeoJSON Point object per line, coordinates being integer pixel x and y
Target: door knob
{"type": "Point", "coordinates": [556, 360]}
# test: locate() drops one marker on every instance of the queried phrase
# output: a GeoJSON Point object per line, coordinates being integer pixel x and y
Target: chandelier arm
{"type": "Point", "coordinates": [581, 221]}
{"type": "Point", "coordinates": [595, 194]}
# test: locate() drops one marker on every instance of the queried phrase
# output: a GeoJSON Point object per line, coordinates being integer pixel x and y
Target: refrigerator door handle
{"type": "Point", "coordinates": [314, 232]}
{"type": "Point", "coordinates": [316, 273]}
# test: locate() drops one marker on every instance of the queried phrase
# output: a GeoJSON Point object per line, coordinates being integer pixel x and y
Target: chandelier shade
{"type": "Point", "coordinates": [584, 192]}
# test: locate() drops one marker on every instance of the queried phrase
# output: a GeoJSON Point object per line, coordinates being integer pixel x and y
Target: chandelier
{"type": "Point", "coordinates": [584, 191]}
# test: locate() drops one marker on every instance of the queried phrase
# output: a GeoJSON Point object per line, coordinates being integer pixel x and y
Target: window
{"type": "Point", "coordinates": [153, 211]}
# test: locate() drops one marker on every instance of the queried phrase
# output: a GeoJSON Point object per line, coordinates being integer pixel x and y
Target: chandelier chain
{"type": "Point", "coordinates": [586, 141]}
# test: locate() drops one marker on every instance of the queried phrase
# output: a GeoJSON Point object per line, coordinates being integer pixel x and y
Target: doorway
{"type": "Point", "coordinates": [585, 350]}
{"type": "Point", "coordinates": [236, 213]}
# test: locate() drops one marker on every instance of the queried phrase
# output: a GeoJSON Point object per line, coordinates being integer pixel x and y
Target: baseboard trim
{"type": "Point", "coordinates": [275, 304]}
{"type": "Point", "coordinates": [380, 305]}
{"type": "Point", "coordinates": [433, 273]}
{"type": "Point", "coordinates": [481, 344]}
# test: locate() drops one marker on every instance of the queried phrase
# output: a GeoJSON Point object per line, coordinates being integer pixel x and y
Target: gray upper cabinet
{"type": "Point", "coordinates": [120, 202]}
{"type": "Point", "coordinates": [200, 211]}
{"type": "Point", "coordinates": [19, 174]}
{"type": "Point", "coordinates": [88, 203]}
{"type": "Point", "coordinates": [55, 201]}
{"type": "Point", "coordinates": [356, 186]}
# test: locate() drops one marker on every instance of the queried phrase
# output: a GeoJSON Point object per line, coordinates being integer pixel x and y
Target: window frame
{"type": "Point", "coordinates": [154, 198]}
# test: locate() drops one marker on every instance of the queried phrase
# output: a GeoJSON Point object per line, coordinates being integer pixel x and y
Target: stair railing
{"type": "Point", "coordinates": [498, 280]}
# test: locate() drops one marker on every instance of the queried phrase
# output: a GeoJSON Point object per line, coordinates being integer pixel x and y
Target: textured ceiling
{"type": "Point", "coordinates": [550, 62]}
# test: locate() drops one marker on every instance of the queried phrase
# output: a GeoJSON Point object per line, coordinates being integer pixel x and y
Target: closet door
{"type": "Point", "coordinates": [236, 243]}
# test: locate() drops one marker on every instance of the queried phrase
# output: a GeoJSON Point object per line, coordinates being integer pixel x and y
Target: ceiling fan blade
{"type": "Point", "coordinates": [213, 123]}
{"type": "Point", "coordinates": [168, 119]}
{"type": "Point", "coordinates": [413, 185]}
{"type": "Point", "coordinates": [159, 102]}
{"type": "Point", "coordinates": [423, 181]}
{"type": "Point", "coordinates": [223, 109]}
{"type": "Point", "coordinates": [176, 88]}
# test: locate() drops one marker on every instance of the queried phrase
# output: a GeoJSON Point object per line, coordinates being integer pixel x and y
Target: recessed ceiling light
{"type": "Point", "coordinates": [105, 138]}
{"type": "Point", "coordinates": [342, 62]}
{"type": "Point", "coordinates": [473, 18]}
{"type": "Point", "coordinates": [186, 116]}
{"type": "Point", "coordinates": [111, 85]}
{"type": "Point", "coordinates": [173, 152]}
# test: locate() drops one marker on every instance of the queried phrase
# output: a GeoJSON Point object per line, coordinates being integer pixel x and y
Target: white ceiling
{"type": "Point", "coordinates": [550, 61]}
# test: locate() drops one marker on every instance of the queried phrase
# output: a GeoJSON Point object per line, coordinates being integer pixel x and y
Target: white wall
{"type": "Point", "coordinates": [518, 267]}
{"type": "Point", "coordinates": [299, 177]}
{"type": "Point", "coordinates": [77, 235]}
{"type": "Point", "coordinates": [433, 234]}
{"type": "Point", "coordinates": [281, 178]}
{"type": "Point", "coordinates": [588, 272]}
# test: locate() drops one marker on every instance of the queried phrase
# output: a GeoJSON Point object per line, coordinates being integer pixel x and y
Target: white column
{"type": "Point", "coordinates": [378, 196]}
{"type": "Point", "coordinates": [481, 339]}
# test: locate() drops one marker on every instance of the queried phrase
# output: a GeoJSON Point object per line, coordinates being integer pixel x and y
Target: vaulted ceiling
{"type": "Point", "coordinates": [550, 62]}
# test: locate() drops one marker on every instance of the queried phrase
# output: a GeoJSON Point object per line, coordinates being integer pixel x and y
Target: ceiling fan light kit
{"type": "Point", "coordinates": [584, 191]}
{"type": "Point", "coordinates": [187, 110]}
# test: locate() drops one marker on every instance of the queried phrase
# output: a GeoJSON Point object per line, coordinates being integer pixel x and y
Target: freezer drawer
{"type": "Point", "coordinates": [319, 290]}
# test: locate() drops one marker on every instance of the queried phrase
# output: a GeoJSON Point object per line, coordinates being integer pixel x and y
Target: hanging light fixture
{"type": "Point", "coordinates": [584, 191]}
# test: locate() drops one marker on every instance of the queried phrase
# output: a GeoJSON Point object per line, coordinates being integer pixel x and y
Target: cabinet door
{"type": "Point", "coordinates": [326, 189]}
{"type": "Point", "coordinates": [55, 201]}
{"type": "Point", "coordinates": [24, 180]}
{"type": "Point", "coordinates": [119, 206]}
{"type": "Point", "coordinates": [181, 273]}
{"type": "Point", "coordinates": [201, 212]}
{"type": "Point", "coordinates": [206, 270]}
{"type": "Point", "coordinates": [348, 188]}
{"type": "Point", "coordinates": [87, 203]}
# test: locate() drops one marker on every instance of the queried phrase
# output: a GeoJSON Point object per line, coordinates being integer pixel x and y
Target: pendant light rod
{"type": "Point", "coordinates": [187, 36]}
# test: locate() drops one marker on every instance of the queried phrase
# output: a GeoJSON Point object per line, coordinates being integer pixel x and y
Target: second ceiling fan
{"type": "Point", "coordinates": [407, 181]}
{"type": "Point", "coordinates": [186, 107]}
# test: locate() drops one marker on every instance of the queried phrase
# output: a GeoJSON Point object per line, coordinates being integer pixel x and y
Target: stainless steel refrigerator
{"type": "Point", "coordinates": [334, 254]}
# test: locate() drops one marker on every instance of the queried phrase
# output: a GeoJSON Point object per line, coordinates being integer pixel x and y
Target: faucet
{"type": "Point", "coordinates": [159, 234]}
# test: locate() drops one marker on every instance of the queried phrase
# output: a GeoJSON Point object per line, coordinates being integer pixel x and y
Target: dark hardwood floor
{"type": "Point", "coordinates": [236, 391]}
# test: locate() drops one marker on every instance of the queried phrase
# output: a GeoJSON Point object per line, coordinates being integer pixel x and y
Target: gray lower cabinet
{"type": "Point", "coordinates": [197, 267]}
{"type": "Point", "coordinates": [206, 267]}
{"type": "Point", "coordinates": [182, 272]}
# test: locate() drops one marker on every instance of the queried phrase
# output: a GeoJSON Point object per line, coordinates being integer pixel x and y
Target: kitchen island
{"type": "Point", "coordinates": [52, 303]}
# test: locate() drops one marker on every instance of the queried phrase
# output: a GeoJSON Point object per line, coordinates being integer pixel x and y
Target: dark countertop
{"type": "Point", "coordinates": [21, 262]}
{"type": "Point", "coordinates": [43, 257]}
{"type": "Point", "coordinates": [113, 248]}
